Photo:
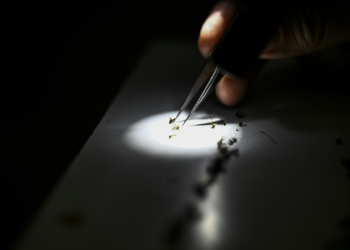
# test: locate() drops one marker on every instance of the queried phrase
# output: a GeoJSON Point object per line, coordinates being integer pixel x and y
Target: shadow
{"type": "Point", "coordinates": [306, 93]}
{"type": "Point", "coordinates": [219, 122]}
{"type": "Point", "coordinates": [180, 229]}
{"type": "Point", "coordinates": [343, 242]}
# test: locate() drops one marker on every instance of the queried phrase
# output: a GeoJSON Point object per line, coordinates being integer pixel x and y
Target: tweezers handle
{"type": "Point", "coordinates": [239, 49]}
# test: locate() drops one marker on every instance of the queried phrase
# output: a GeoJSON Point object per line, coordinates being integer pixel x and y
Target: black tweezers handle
{"type": "Point", "coordinates": [247, 35]}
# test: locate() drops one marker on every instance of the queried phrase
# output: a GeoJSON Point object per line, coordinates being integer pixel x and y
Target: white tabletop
{"type": "Point", "coordinates": [131, 187]}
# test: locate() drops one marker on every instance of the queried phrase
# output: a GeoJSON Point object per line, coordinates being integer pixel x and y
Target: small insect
{"type": "Point", "coordinates": [171, 120]}
{"type": "Point", "coordinates": [231, 141]}
{"type": "Point", "coordinates": [176, 127]}
{"type": "Point", "coordinates": [241, 124]}
{"type": "Point", "coordinates": [212, 125]}
{"type": "Point", "coordinates": [223, 122]}
{"type": "Point", "coordinates": [237, 129]}
{"type": "Point", "coordinates": [171, 136]}
{"type": "Point", "coordinates": [239, 114]}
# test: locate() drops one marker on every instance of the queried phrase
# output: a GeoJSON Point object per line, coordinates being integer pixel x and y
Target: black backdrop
{"type": "Point", "coordinates": [62, 63]}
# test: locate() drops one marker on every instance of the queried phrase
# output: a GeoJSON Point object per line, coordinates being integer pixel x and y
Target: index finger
{"type": "Point", "coordinates": [215, 25]}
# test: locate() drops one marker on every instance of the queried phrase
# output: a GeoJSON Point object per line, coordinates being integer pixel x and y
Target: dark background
{"type": "Point", "coordinates": [62, 63]}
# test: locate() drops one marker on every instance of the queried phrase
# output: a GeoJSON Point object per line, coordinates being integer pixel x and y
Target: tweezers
{"type": "Point", "coordinates": [237, 52]}
{"type": "Point", "coordinates": [210, 71]}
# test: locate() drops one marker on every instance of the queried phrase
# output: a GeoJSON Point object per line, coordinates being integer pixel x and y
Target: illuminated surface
{"type": "Point", "coordinates": [196, 137]}
{"type": "Point", "coordinates": [211, 226]}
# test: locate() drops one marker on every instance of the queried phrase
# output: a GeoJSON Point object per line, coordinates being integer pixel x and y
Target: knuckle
{"type": "Point", "coordinates": [310, 29]}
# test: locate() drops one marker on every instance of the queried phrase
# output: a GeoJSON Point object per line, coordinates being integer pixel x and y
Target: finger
{"type": "Point", "coordinates": [287, 42]}
{"type": "Point", "coordinates": [215, 26]}
{"type": "Point", "coordinates": [308, 28]}
{"type": "Point", "coordinates": [271, 50]}
{"type": "Point", "coordinates": [231, 91]}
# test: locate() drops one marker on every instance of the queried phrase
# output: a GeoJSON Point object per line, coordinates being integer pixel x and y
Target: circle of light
{"type": "Point", "coordinates": [195, 138]}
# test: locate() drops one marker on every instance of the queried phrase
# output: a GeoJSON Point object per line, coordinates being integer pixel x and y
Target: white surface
{"type": "Point", "coordinates": [130, 184]}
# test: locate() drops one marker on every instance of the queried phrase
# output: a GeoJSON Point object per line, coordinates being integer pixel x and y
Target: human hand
{"type": "Point", "coordinates": [309, 26]}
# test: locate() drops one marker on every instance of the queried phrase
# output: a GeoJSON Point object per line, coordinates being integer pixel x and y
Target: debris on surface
{"type": "Point", "coordinates": [231, 141]}
{"type": "Point", "coordinates": [215, 168]}
{"type": "Point", "coordinates": [346, 163]}
{"type": "Point", "coordinates": [200, 189]}
{"type": "Point", "coordinates": [180, 227]}
{"type": "Point", "coordinates": [241, 124]}
{"type": "Point", "coordinates": [222, 121]}
{"type": "Point", "coordinates": [222, 147]}
{"type": "Point", "coordinates": [339, 141]}
{"type": "Point", "coordinates": [268, 137]}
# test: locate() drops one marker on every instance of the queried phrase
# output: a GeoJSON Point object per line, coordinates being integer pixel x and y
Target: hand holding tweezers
{"type": "Point", "coordinates": [238, 51]}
